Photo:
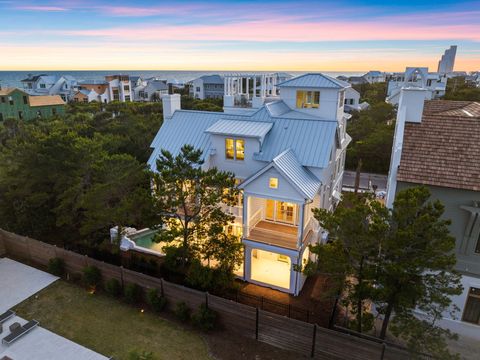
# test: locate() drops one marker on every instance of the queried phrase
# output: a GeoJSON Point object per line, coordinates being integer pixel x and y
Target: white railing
{"type": "Point", "coordinates": [255, 218]}
{"type": "Point", "coordinates": [312, 225]}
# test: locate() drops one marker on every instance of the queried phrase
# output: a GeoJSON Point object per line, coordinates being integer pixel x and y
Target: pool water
{"type": "Point", "coordinates": [145, 240]}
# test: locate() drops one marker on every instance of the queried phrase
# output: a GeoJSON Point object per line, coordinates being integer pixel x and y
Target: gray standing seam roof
{"type": "Point", "coordinates": [314, 81]}
{"type": "Point", "coordinates": [240, 128]}
{"type": "Point", "coordinates": [300, 177]}
{"type": "Point", "coordinates": [311, 139]}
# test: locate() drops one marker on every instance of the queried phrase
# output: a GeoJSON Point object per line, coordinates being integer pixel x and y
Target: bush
{"type": "Point", "coordinates": [113, 287]}
{"type": "Point", "coordinates": [92, 276]}
{"type": "Point", "coordinates": [214, 280]}
{"type": "Point", "coordinates": [155, 301]}
{"type": "Point", "coordinates": [182, 311]}
{"type": "Point", "coordinates": [56, 266]}
{"type": "Point", "coordinates": [205, 319]}
{"type": "Point", "coordinates": [133, 293]}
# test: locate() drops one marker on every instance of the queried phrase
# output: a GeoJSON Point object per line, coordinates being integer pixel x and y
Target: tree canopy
{"type": "Point", "coordinates": [402, 261]}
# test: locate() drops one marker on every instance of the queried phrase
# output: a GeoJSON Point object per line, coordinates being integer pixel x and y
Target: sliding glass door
{"type": "Point", "coordinates": [281, 211]}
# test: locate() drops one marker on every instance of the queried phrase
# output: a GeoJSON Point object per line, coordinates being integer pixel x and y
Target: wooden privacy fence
{"type": "Point", "coordinates": [283, 332]}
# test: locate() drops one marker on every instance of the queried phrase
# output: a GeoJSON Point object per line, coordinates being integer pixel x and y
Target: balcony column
{"type": "Point", "coordinates": [246, 215]}
{"type": "Point", "coordinates": [254, 86]}
{"type": "Point", "coordinates": [247, 80]}
{"type": "Point", "coordinates": [301, 225]}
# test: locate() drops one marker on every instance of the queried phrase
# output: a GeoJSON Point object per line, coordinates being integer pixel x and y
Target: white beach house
{"type": "Point", "coordinates": [286, 144]}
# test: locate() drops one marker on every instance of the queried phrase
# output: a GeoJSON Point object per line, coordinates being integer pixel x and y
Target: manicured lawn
{"type": "Point", "coordinates": [108, 326]}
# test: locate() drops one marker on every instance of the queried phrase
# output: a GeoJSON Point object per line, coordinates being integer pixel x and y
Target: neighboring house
{"type": "Point", "coordinates": [288, 155]}
{"type": "Point", "coordinates": [86, 96]}
{"type": "Point", "coordinates": [357, 80]}
{"type": "Point", "coordinates": [435, 83]}
{"type": "Point", "coordinates": [437, 144]}
{"type": "Point", "coordinates": [352, 101]}
{"type": "Point", "coordinates": [114, 88]}
{"type": "Point", "coordinates": [374, 77]}
{"type": "Point", "coordinates": [207, 87]}
{"type": "Point", "coordinates": [151, 90]}
{"type": "Point", "coordinates": [17, 104]}
{"type": "Point", "coordinates": [447, 62]}
{"type": "Point", "coordinates": [65, 86]}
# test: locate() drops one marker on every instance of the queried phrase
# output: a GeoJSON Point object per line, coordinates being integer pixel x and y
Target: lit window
{"type": "Point", "coordinates": [235, 149]}
{"type": "Point", "coordinates": [308, 99]}
{"type": "Point", "coordinates": [273, 183]}
{"type": "Point", "coordinates": [229, 149]}
{"type": "Point", "coordinates": [240, 149]}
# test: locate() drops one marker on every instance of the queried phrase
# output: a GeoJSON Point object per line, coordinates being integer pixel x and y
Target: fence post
{"type": "Point", "coordinates": [121, 277]}
{"type": "Point", "coordinates": [331, 322]}
{"type": "Point", "coordinates": [289, 310]}
{"type": "Point", "coordinates": [314, 337]}
{"type": "Point", "coordinates": [384, 346]}
{"type": "Point", "coordinates": [256, 324]}
{"type": "Point", "coordinates": [261, 305]}
{"type": "Point", "coordinates": [206, 299]}
{"type": "Point", "coordinates": [161, 287]}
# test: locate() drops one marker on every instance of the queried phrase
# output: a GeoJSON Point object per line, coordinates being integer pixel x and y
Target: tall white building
{"type": "Point", "coordinates": [286, 143]}
{"type": "Point", "coordinates": [447, 62]}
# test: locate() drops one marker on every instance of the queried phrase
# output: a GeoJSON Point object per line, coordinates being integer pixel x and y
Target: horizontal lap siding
{"type": "Point", "coordinates": [234, 316]}
{"type": "Point", "coordinates": [285, 333]}
{"type": "Point", "coordinates": [177, 293]}
{"type": "Point", "coordinates": [332, 343]}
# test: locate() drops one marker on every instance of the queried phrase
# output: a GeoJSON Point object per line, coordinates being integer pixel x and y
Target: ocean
{"type": "Point", "coordinates": [13, 78]}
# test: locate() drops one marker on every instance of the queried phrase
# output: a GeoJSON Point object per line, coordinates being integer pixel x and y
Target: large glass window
{"type": "Point", "coordinates": [471, 313]}
{"type": "Point", "coordinates": [308, 99]}
{"type": "Point", "coordinates": [234, 149]}
{"type": "Point", "coordinates": [282, 211]}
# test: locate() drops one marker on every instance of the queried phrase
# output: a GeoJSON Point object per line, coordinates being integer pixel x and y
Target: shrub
{"type": "Point", "coordinates": [92, 276]}
{"type": "Point", "coordinates": [56, 266]}
{"type": "Point", "coordinates": [205, 319]}
{"type": "Point", "coordinates": [214, 280]}
{"type": "Point", "coordinates": [113, 287]}
{"type": "Point", "coordinates": [155, 301]}
{"type": "Point", "coordinates": [182, 311]}
{"type": "Point", "coordinates": [133, 293]}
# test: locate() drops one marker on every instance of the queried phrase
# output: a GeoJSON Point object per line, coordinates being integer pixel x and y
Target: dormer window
{"type": "Point", "coordinates": [308, 99]}
{"type": "Point", "coordinates": [234, 149]}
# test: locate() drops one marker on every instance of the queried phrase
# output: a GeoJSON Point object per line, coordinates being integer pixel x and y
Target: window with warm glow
{"type": "Point", "coordinates": [234, 149]}
{"type": "Point", "coordinates": [273, 183]}
{"type": "Point", "coordinates": [308, 99]}
{"type": "Point", "coordinates": [229, 149]}
{"type": "Point", "coordinates": [240, 149]}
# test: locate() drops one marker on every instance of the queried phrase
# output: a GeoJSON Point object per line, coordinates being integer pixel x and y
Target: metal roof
{"type": "Point", "coordinates": [185, 127]}
{"type": "Point", "coordinates": [256, 129]}
{"type": "Point", "coordinates": [299, 176]}
{"type": "Point", "coordinates": [310, 138]}
{"type": "Point", "coordinates": [314, 81]}
{"type": "Point", "coordinates": [212, 79]}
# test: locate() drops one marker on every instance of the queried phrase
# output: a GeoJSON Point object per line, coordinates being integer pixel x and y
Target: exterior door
{"type": "Point", "coordinates": [281, 211]}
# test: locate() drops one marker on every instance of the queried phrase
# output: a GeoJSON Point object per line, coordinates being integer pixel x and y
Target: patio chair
{"type": "Point", "coordinates": [19, 332]}
{"type": "Point", "coordinates": [6, 315]}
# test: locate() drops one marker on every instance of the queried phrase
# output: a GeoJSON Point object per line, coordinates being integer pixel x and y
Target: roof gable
{"type": "Point", "coordinates": [314, 80]}
{"type": "Point", "coordinates": [299, 177]}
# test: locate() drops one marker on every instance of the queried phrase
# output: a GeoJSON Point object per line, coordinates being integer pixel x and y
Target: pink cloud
{"type": "Point", "coordinates": [274, 30]}
{"type": "Point", "coordinates": [42, 8]}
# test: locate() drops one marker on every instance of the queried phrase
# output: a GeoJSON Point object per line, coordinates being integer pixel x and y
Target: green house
{"type": "Point", "coordinates": [17, 104]}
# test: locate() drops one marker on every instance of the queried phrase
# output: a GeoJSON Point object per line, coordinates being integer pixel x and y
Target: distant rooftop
{"type": "Point", "coordinates": [314, 80]}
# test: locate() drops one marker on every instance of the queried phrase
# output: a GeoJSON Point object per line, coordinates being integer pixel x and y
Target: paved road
{"type": "Point", "coordinates": [366, 180]}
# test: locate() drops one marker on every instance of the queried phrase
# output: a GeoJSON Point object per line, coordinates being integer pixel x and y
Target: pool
{"type": "Point", "coordinates": [142, 240]}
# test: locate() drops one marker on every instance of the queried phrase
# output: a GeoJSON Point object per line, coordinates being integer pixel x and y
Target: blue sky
{"type": "Point", "coordinates": [236, 35]}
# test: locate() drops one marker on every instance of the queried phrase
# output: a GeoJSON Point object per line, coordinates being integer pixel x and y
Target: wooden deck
{"type": "Point", "coordinates": [275, 234]}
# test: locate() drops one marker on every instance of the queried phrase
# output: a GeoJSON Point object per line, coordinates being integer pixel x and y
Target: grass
{"type": "Point", "coordinates": [108, 326]}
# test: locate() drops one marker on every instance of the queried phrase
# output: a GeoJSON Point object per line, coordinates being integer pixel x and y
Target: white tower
{"type": "Point", "coordinates": [446, 63]}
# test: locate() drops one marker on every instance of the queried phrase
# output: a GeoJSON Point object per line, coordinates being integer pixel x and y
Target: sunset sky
{"type": "Point", "coordinates": [236, 35]}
